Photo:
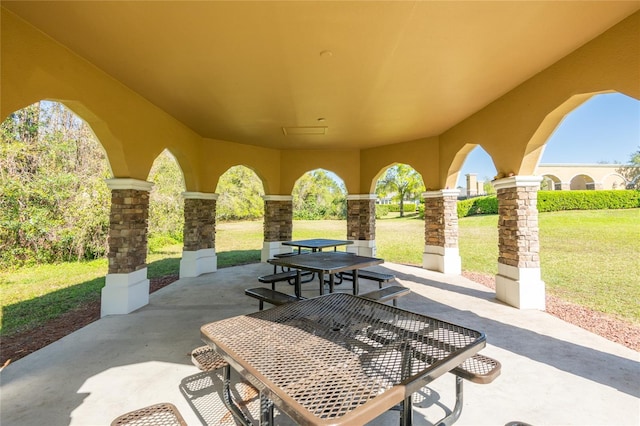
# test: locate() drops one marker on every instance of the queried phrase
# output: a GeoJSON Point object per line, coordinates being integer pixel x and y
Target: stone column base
{"type": "Point", "coordinates": [362, 248]}
{"type": "Point", "coordinates": [124, 293]}
{"type": "Point", "coordinates": [442, 259]}
{"type": "Point", "coordinates": [196, 263]}
{"type": "Point", "coordinates": [520, 287]}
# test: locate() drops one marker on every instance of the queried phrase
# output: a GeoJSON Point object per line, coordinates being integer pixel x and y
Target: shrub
{"type": "Point", "coordinates": [381, 210]}
{"type": "Point", "coordinates": [407, 207]}
{"type": "Point", "coordinates": [551, 201]}
{"type": "Point", "coordinates": [478, 205]}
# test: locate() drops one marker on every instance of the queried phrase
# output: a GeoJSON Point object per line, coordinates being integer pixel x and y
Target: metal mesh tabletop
{"type": "Point", "coordinates": [340, 359]}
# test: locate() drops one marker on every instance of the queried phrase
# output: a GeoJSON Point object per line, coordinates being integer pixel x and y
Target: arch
{"type": "Point", "coordinates": [460, 162]}
{"type": "Point", "coordinates": [166, 204]}
{"type": "Point", "coordinates": [551, 183]}
{"type": "Point", "coordinates": [614, 181]}
{"type": "Point", "coordinates": [405, 185]}
{"type": "Point", "coordinates": [582, 182]}
{"type": "Point", "coordinates": [331, 205]}
{"type": "Point", "coordinates": [240, 194]}
{"type": "Point", "coordinates": [170, 156]}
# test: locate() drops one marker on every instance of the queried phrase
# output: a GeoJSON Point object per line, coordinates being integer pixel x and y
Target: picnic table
{"type": "Point", "coordinates": [330, 262]}
{"type": "Point", "coordinates": [337, 359]}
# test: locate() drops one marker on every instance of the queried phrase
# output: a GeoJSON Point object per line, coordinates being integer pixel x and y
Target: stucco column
{"type": "Point", "coordinates": [441, 251]}
{"type": "Point", "coordinates": [518, 281]}
{"type": "Point", "coordinates": [127, 287]}
{"type": "Point", "coordinates": [278, 225]}
{"type": "Point", "coordinates": [199, 235]}
{"type": "Point", "coordinates": [361, 224]}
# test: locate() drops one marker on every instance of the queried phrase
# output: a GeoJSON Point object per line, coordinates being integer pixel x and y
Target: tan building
{"type": "Point", "coordinates": [350, 87]}
{"type": "Point", "coordinates": [558, 177]}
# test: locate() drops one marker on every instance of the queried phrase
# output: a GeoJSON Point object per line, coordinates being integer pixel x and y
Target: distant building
{"type": "Point", "coordinates": [565, 177]}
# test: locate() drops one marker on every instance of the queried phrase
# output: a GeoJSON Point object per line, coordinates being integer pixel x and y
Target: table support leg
{"type": "Point", "coordinates": [266, 411]}
{"type": "Point", "coordinates": [298, 289]}
{"type": "Point", "coordinates": [228, 398]}
{"type": "Point", "coordinates": [321, 278]}
{"type": "Point", "coordinates": [356, 285]}
{"type": "Point", "coordinates": [331, 282]}
{"type": "Point", "coordinates": [457, 410]}
{"type": "Point", "coordinates": [406, 414]}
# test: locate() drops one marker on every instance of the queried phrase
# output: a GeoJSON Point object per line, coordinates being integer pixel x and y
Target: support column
{"type": "Point", "coordinates": [518, 281]}
{"type": "Point", "coordinates": [441, 251]}
{"type": "Point", "coordinates": [127, 287]}
{"type": "Point", "coordinates": [199, 252]}
{"type": "Point", "coordinates": [361, 224]}
{"type": "Point", "coordinates": [278, 225]}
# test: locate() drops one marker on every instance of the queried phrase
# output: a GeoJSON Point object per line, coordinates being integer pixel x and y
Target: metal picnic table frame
{"type": "Point", "coordinates": [338, 359]}
{"type": "Point", "coordinates": [330, 262]}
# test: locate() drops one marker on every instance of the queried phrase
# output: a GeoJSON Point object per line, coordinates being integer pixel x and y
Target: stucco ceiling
{"type": "Point", "coordinates": [360, 73]}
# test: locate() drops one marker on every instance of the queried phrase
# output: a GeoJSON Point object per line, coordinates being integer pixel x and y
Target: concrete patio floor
{"type": "Point", "coordinates": [553, 373]}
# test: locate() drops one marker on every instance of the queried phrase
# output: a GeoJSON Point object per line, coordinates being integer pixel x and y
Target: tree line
{"type": "Point", "coordinates": [54, 202]}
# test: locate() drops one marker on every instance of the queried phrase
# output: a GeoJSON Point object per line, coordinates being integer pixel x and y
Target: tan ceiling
{"type": "Point", "coordinates": [376, 72]}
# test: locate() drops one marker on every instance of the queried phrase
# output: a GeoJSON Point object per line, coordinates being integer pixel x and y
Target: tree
{"type": "Point", "coordinates": [166, 205]}
{"type": "Point", "coordinates": [317, 196]}
{"type": "Point", "coordinates": [241, 192]}
{"type": "Point", "coordinates": [631, 171]}
{"type": "Point", "coordinates": [54, 203]}
{"type": "Point", "coordinates": [402, 183]}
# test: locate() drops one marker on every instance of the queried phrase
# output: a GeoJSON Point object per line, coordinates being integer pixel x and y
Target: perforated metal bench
{"type": "Point", "coordinates": [206, 359]}
{"type": "Point", "coordinates": [280, 276]}
{"type": "Point", "coordinates": [163, 414]}
{"type": "Point", "coordinates": [380, 277]}
{"type": "Point", "coordinates": [385, 294]}
{"type": "Point", "coordinates": [270, 296]}
{"type": "Point", "coordinates": [478, 369]}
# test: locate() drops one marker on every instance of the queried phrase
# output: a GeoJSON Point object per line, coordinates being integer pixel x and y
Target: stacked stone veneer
{"type": "Point", "coordinates": [441, 221]}
{"type": "Point", "coordinates": [128, 230]}
{"type": "Point", "coordinates": [278, 220]}
{"type": "Point", "coordinates": [518, 281]}
{"type": "Point", "coordinates": [199, 224]}
{"type": "Point", "coordinates": [518, 241]}
{"type": "Point", "coordinates": [441, 232]}
{"type": "Point", "coordinates": [361, 219]}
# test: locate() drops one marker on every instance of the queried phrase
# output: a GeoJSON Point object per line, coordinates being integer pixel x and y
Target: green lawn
{"type": "Point", "coordinates": [589, 257]}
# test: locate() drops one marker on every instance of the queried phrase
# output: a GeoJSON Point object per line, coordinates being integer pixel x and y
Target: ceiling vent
{"type": "Point", "coordinates": [305, 130]}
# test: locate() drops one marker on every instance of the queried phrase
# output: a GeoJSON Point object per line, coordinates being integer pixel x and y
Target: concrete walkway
{"type": "Point", "coordinates": [553, 373]}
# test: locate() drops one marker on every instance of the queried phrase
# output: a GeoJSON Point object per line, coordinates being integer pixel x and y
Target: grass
{"type": "Point", "coordinates": [588, 257]}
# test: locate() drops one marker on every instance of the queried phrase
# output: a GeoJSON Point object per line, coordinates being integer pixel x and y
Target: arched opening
{"type": "Point", "coordinates": [55, 204]}
{"type": "Point", "coordinates": [319, 195]}
{"type": "Point", "coordinates": [399, 214]}
{"type": "Point", "coordinates": [582, 182]}
{"type": "Point", "coordinates": [239, 214]}
{"type": "Point", "coordinates": [166, 211]}
{"type": "Point", "coordinates": [550, 183]}
{"type": "Point", "coordinates": [605, 129]}
{"type": "Point", "coordinates": [476, 173]}
{"type": "Point", "coordinates": [54, 212]}
{"type": "Point", "coordinates": [399, 187]}
{"type": "Point", "coordinates": [614, 181]}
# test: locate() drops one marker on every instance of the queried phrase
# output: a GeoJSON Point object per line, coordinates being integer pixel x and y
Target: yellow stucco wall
{"type": "Point", "coordinates": [512, 129]}
{"type": "Point", "coordinates": [132, 130]}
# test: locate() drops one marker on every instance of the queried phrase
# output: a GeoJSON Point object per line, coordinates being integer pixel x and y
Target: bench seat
{"type": "Point", "coordinates": [380, 277]}
{"type": "Point", "coordinates": [277, 277]}
{"type": "Point", "coordinates": [478, 369]}
{"type": "Point", "coordinates": [206, 359]}
{"type": "Point", "coordinates": [385, 294]}
{"type": "Point", "coordinates": [291, 253]}
{"type": "Point", "coordinates": [273, 297]}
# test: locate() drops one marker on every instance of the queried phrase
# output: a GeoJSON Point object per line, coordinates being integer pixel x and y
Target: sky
{"type": "Point", "coordinates": [606, 129]}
